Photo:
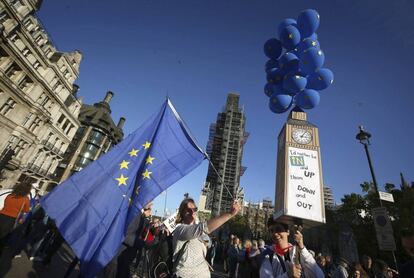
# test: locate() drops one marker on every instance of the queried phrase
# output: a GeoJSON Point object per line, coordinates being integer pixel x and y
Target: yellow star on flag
{"type": "Point", "coordinates": [149, 159]}
{"type": "Point", "coordinates": [146, 174]}
{"type": "Point", "coordinates": [146, 145]}
{"type": "Point", "coordinates": [122, 180]}
{"type": "Point", "coordinates": [133, 152]}
{"type": "Point", "coordinates": [124, 164]}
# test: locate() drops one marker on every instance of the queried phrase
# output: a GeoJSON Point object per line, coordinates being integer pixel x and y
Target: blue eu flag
{"type": "Point", "coordinates": [93, 208]}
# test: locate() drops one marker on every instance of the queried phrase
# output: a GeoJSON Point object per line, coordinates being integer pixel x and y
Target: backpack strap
{"type": "Point", "coordinates": [269, 252]}
{"type": "Point", "coordinates": [179, 255]}
{"type": "Point", "coordinates": [282, 262]}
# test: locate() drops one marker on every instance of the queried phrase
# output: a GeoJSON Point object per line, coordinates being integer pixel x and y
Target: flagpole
{"type": "Point", "coordinates": [165, 205]}
{"type": "Point", "coordinates": [217, 173]}
{"type": "Point", "coordinates": [184, 126]}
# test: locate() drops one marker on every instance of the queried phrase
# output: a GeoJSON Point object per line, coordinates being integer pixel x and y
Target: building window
{"type": "Point", "coordinates": [49, 136]}
{"type": "Point", "coordinates": [27, 23]}
{"type": "Point", "coordinates": [61, 118]}
{"type": "Point", "coordinates": [7, 106]}
{"type": "Point", "coordinates": [69, 129]}
{"type": "Point", "coordinates": [65, 125]}
{"type": "Point", "coordinates": [90, 151]}
{"type": "Point", "coordinates": [14, 37]}
{"type": "Point", "coordinates": [16, 4]}
{"type": "Point", "coordinates": [82, 162]}
{"type": "Point", "coordinates": [38, 39]}
{"type": "Point", "coordinates": [57, 84]}
{"type": "Point", "coordinates": [47, 51]}
{"type": "Point", "coordinates": [11, 71]}
{"type": "Point", "coordinates": [20, 147]}
{"type": "Point", "coordinates": [35, 124]}
{"type": "Point", "coordinates": [36, 65]}
{"type": "Point", "coordinates": [26, 52]}
{"type": "Point", "coordinates": [43, 100]}
{"type": "Point", "coordinates": [27, 118]}
{"type": "Point", "coordinates": [3, 16]}
{"type": "Point", "coordinates": [96, 137]}
{"type": "Point", "coordinates": [25, 83]}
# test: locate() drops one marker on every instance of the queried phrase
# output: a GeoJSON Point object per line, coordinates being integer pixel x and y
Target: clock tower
{"type": "Point", "coordinates": [299, 184]}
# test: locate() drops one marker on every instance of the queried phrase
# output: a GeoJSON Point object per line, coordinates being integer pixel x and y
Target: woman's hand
{"type": "Point", "coordinates": [236, 207]}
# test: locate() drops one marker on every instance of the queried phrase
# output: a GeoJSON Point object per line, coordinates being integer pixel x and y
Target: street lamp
{"type": "Point", "coordinates": [363, 138]}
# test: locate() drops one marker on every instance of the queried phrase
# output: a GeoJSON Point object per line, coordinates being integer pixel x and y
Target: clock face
{"type": "Point", "coordinates": [301, 136]}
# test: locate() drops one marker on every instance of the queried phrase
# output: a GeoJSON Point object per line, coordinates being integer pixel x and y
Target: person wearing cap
{"type": "Point", "coordinates": [284, 260]}
{"type": "Point", "coordinates": [407, 242]}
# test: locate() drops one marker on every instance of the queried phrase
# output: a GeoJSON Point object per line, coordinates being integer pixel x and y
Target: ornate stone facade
{"type": "Point", "coordinates": [38, 104]}
{"type": "Point", "coordinates": [97, 134]}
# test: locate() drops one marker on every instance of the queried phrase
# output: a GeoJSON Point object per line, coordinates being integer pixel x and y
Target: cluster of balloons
{"type": "Point", "coordinates": [295, 77]}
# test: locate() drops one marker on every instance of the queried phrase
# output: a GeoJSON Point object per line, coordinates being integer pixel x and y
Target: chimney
{"type": "Point", "coordinates": [121, 123]}
{"type": "Point", "coordinates": [108, 97]}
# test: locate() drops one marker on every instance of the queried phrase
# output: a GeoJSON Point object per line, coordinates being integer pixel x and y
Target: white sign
{"type": "Point", "coordinates": [386, 196]}
{"type": "Point", "coordinates": [383, 228]}
{"type": "Point", "coordinates": [170, 222]}
{"type": "Point", "coordinates": [304, 185]}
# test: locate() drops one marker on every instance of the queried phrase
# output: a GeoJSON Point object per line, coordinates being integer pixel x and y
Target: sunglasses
{"type": "Point", "coordinates": [193, 210]}
{"type": "Point", "coordinates": [277, 229]}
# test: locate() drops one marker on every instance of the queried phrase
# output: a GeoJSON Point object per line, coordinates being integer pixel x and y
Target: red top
{"type": "Point", "coordinates": [14, 204]}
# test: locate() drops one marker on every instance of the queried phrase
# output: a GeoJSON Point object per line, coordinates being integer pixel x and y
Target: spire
{"type": "Point", "coordinates": [404, 184]}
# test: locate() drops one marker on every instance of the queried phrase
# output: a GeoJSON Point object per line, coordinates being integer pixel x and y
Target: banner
{"type": "Point", "coordinates": [304, 185]}
{"type": "Point", "coordinates": [383, 228]}
{"type": "Point", "coordinates": [170, 223]}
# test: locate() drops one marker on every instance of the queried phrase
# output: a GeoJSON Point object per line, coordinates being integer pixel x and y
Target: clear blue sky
{"type": "Point", "coordinates": [198, 51]}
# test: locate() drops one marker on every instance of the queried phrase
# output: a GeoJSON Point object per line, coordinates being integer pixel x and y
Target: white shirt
{"type": "Point", "coordinates": [193, 261]}
{"type": "Point", "coordinates": [275, 270]}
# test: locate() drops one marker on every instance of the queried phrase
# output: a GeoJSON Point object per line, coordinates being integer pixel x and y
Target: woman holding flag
{"type": "Point", "coordinates": [189, 249]}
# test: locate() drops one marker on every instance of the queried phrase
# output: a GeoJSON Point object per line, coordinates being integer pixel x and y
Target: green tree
{"type": "Point", "coordinates": [239, 226]}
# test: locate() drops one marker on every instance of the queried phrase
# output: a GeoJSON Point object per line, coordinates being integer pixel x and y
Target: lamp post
{"type": "Point", "coordinates": [363, 138]}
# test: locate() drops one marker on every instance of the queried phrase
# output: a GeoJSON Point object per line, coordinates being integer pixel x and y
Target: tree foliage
{"type": "Point", "coordinates": [355, 211]}
{"type": "Point", "coordinates": [239, 226]}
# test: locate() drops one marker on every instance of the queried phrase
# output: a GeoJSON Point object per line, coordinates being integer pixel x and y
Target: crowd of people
{"type": "Point", "coordinates": [191, 250]}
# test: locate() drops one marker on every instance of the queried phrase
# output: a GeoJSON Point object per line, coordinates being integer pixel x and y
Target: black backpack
{"type": "Point", "coordinates": [161, 255]}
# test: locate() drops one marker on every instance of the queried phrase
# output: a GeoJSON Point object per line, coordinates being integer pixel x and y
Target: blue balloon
{"type": "Point", "coordinates": [294, 83]}
{"type": "Point", "coordinates": [320, 80]}
{"type": "Point", "coordinates": [308, 22]}
{"type": "Point", "coordinates": [271, 89]}
{"type": "Point", "coordinates": [284, 23]}
{"type": "Point", "coordinates": [271, 64]}
{"type": "Point", "coordinates": [290, 37]}
{"type": "Point", "coordinates": [279, 103]}
{"type": "Point", "coordinates": [289, 62]}
{"type": "Point", "coordinates": [311, 60]}
{"type": "Point", "coordinates": [275, 76]}
{"type": "Point", "coordinates": [314, 36]}
{"type": "Point", "coordinates": [272, 48]}
{"type": "Point", "coordinates": [307, 99]}
{"type": "Point", "coordinates": [306, 44]}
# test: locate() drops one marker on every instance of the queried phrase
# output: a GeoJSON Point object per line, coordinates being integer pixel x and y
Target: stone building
{"type": "Point", "coordinates": [328, 197]}
{"type": "Point", "coordinates": [257, 215]}
{"type": "Point", "coordinates": [96, 135]}
{"type": "Point", "coordinates": [38, 104]}
{"type": "Point", "coordinates": [225, 148]}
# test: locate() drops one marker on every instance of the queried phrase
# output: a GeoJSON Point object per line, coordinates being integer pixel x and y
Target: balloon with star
{"type": "Point", "coordinates": [295, 71]}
